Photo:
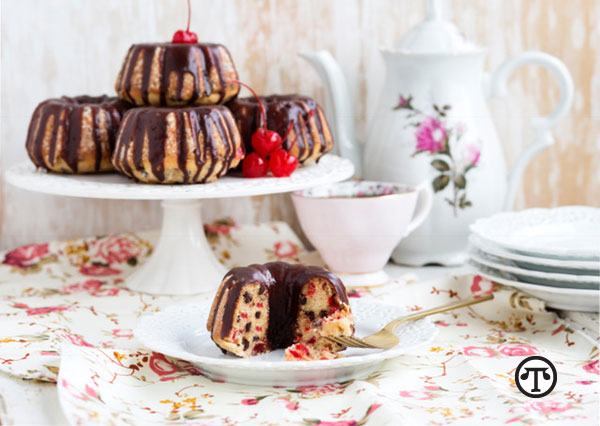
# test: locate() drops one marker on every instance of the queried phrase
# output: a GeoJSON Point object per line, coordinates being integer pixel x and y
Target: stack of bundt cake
{"type": "Point", "coordinates": [180, 134]}
{"type": "Point", "coordinates": [176, 120]}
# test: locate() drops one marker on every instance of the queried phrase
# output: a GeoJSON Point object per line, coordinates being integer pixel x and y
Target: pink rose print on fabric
{"type": "Point", "coordinates": [106, 292]}
{"type": "Point", "coordinates": [249, 401]}
{"type": "Point", "coordinates": [550, 406]}
{"type": "Point", "coordinates": [481, 286]}
{"type": "Point", "coordinates": [285, 249]}
{"type": "Point", "coordinates": [372, 408]}
{"type": "Point", "coordinates": [481, 351]}
{"type": "Point", "coordinates": [89, 285]}
{"type": "Point", "coordinates": [338, 423]}
{"type": "Point", "coordinates": [420, 395]}
{"type": "Point", "coordinates": [431, 135]}
{"type": "Point", "coordinates": [218, 229]}
{"type": "Point", "coordinates": [160, 365]}
{"type": "Point", "coordinates": [117, 249]}
{"type": "Point", "coordinates": [517, 350]}
{"type": "Point", "coordinates": [76, 340]}
{"type": "Point", "coordinates": [46, 310]}
{"type": "Point", "coordinates": [91, 391]}
{"type": "Point", "coordinates": [25, 256]}
{"type": "Point", "coordinates": [123, 332]}
{"type": "Point", "coordinates": [592, 367]}
{"type": "Point", "coordinates": [292, 406]}
{"type": "Point", "coordinates": [309, 391]}
{"type": "Point", "coordinates": [98, 270]}
{"type": "Point", "coordinates": [39, 311]}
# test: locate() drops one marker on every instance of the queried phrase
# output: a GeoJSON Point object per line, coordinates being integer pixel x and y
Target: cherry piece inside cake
{"type": "Point", "coordinates": [261, 308]}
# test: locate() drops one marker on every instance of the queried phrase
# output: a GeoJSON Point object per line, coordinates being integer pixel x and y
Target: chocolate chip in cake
{"type": "Point", "coordinates": [303, 300]}
{"type": "Point", "coordinates": [247, 297]}
{"type": "Point", "coordinates": [255, 338]}
{"type": "Point", "coordinates": [310, 315]}
{"type": "Point", "coordinates": [245, 343]}
{"type": "Point", "coordinates": [248, 325]}
{"type": "Point", "coordinates": [323, 313]}
{"type": "Point", "coordinates": [261, 290]}
{"type": "Point", "coordinates": [257, 314]}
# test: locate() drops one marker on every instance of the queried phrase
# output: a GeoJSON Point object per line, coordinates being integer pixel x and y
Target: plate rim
{"type": "Point", "coordinates": [551, 276]}
{"type": "Point", "coordinates": [245, 363]}
{"type": "Point", "coordinates": [537, 287]}
{"type": "Point", "coordinates": [498, 251]}
{"type": "Point", "coordinates": [478, 228]}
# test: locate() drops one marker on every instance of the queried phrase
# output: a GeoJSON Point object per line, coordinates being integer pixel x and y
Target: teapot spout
{"type": "Point", "coordinates": [338, 107]}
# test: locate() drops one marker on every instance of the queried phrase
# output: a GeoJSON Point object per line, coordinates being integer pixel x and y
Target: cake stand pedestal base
{"type": "Point", "coordinates": [182, 261]}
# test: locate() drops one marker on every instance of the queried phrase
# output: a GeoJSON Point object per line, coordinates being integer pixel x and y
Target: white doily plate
{"type": "Point", "coordinates": [561, 266]}
{"type": "Point", "coordinates": [589, 282]}
{"type": "Point", "coordinates": [572, 299]}
{"type": "Point", "coordinates": [570, 232]}
{"type": "Point", "coordinates": [180, 332]}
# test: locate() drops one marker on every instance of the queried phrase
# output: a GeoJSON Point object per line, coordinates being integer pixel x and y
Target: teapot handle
{"type": "Point", "coordinates": [541, 126]}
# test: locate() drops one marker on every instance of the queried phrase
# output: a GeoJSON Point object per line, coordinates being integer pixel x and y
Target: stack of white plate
{"type": "Point", "coordinates": [552, 254]}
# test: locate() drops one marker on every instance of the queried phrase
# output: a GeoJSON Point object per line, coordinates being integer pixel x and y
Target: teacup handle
{"type": "Point", "coordinates": [424, 203]}
{"type": "Point", "coordinates": [541, 126]}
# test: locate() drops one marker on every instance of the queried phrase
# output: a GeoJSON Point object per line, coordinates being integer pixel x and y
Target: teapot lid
{"type": "Point", "coordinates": [435, 35]}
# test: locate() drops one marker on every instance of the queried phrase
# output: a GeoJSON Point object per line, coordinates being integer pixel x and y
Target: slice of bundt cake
{"type": "Point", "coordinates": [260, 308]}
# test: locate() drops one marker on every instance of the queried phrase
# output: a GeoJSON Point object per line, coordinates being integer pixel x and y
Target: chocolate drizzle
{"type": "Point", "coordinates": [65, 118]}
{"type": "Point", "coordinates": [209, 65]}
{"type": "Point", "coordinates": [283, 282]}
{"type": "Point", "coordinates": [281, 110]}
{"type": "Point", "coordinates": [211, 156]}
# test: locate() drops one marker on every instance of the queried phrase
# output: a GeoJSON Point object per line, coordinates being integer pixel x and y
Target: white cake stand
{"type": "Point", "coordinates": [182, 261]}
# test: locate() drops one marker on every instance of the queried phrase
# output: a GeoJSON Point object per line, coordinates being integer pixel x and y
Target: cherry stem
{"type": "Point", "coordinates": [189, 15]}
{"type": "Point", "coordinates": [262, 107]}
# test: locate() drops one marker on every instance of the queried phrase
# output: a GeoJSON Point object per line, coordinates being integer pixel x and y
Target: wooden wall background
{"type": "Point", "coordinates": [51, 48]}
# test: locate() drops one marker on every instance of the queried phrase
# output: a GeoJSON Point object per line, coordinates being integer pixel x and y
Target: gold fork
{"type": "Point", "coordinates": [386, 338]}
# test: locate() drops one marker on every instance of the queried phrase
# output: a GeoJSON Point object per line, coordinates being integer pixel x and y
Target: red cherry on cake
{"type": "Point", "coordinates": [185, 36]}
{"type": "Point", "coordinates": [265, 141]}
{"type": "Point", "coordinates": [254, 166]}
{"type": "Point", "coordinates": [282, 163]}
{"type": "Point", "coordinates": [182, 36]}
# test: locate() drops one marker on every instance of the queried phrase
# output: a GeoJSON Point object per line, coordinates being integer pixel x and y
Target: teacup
{"type": "Point", "coordinates": [356, 225]}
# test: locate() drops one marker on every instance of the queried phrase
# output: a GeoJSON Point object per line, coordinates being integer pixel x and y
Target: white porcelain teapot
{"type": "Point", "coordinates": [432, 122]}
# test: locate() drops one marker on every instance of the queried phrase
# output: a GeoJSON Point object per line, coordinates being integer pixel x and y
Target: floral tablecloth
{"type": "Point", "coordinates": [66, 317]}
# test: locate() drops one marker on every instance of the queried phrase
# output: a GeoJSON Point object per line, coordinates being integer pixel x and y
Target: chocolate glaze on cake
{"type": "Point", "coordinates": [310, 137]}
{"type": "Point", "coordinates": [75, 135]}
{"type": "Point", "coordinates": [177, 74]}
{"type": "Point", "coordinates": [177, 145]}
{"type": "Point", "coordinates": [283, 282]}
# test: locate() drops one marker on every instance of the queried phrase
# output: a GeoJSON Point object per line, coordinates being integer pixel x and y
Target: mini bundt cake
{"type": "Point", "coordinates": [167, 74]}
{"type": "Point", "coordinates": [260, 308]}
{"type": "Point", "coordinates": [74, 135]}
{"type": "Point", "coordinates": [310, 136]}
{"type": "Point", "coordinates": [177, 145]}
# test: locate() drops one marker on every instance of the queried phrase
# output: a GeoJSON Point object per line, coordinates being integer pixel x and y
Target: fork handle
{"type": "Point", "coordinates": [450, 306]}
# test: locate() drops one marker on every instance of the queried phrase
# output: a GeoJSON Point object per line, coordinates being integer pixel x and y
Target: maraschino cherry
{"type": "Point", "coordinates": [185, 36]}
{"type": "Point", "coordinates": [254, 166]}
{"type": "Point", "coordinates": [282, 163]}
{"type": "Point", "coordinates": [267, 143]}
{"type": "Point", "coordinates": [263, 141]}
